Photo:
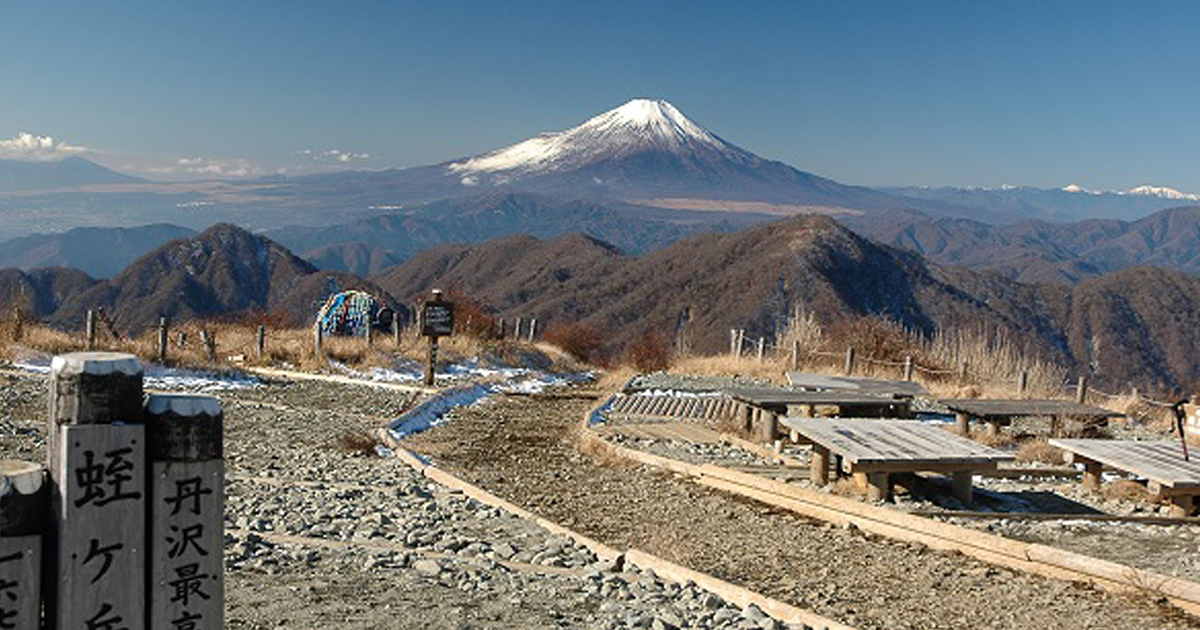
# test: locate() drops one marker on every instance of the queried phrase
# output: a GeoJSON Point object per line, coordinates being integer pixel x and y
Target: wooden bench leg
{"type": "Point", "coordinates": [993, 429]}
{"type": "Point", "coordinates": [818, 471]}
{"type": "Point", "coordinates": [1091, 474]}
{"type": "Point", "coordinates": [961, 486]}
{"type": "Point", "coordinates": [860, 480]}
{"type": "Point", "coordinates": [962, 424]}
{"type": "Point", "coordinates": [879, 486]}
{"type": "Point", "coordinates": [768, 425]}
{"type": "Point", "coordinates": [1181, 505]}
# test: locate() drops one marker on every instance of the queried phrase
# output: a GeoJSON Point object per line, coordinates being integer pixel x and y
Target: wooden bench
{"type": "Point", "coordinates": [759, 409]}
{"type": "Point", "coordinates": [874, 449]}
{"type": "Point", "coordinates": [1002, 411]}
{"type": "Point", "coordinates": [1160, 462]}
{"type": "Point", "coordinates": [875, 386]}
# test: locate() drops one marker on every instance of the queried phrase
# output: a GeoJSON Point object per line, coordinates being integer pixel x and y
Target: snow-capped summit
{"type": "Point", "coordinates": [638, 126]}
{"type": "Point", "coordinates": [1162, 192]}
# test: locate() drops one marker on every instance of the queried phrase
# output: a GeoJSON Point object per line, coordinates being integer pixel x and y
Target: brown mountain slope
{"type": "Point", "coordinates": [42, 291]}
{"type": "Point", "coordinates": [1132, 327]}
{"type": "Point", "coordinates": [222, 271]}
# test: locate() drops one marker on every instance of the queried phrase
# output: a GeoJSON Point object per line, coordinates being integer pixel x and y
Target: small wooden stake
{"type": "Point", "coordinates": [90, 329]}
{"type": "Point", "coordinates": [162, 339]}
{"type": "Point", "coordinates": [795, 363]}
{"type": "Point", "coordinates": [260, 342]}
{"type": "Point", "coordinates": [849, 368]}
{"type": "Point", "coordinates": [318, 337]}
{"type": "Point", "coordinates": [908, 368]}
{"type": "Point", "coordinates": [532, 329]}
{"type": "Point", "coordinates": [818, 471]}
{"type": "Point", "coordinates": [1081, 390]}
{"type": "Point", "coordinates": [1022, 383]}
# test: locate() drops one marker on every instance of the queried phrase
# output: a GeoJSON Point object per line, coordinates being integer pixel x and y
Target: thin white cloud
{"type": "Point", "coordinates": [333, 155]}
{"type": "Point", "coordinates": [27, 146]}
{"type": "Point", "coordinates": [236, 167]}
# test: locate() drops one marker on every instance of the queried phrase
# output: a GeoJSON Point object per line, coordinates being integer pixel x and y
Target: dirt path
{"type": "Point", "coordinates": [523, 449]}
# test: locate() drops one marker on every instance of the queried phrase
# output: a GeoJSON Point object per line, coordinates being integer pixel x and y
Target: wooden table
{"type": "Point", "coordinates": [876, 386]}
{"type": "Point", "coordinates": [1002, 411]}
{"type": "Point", "coordinates": [1160, 462]}
{"type": "Point", "coordinates": [875, 449]}
{"type": "Point", "coordinates": [759, 409]}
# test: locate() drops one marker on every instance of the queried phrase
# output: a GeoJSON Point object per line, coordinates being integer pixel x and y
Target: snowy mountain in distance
{"type": "Point", "coordinates": [1072, 202]}
{"type": "Point", "coordinates": [638, 126]}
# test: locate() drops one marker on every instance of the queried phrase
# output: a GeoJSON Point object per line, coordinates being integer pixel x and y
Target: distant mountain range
{"type": "Point", "coordinates": [1069, 203]}
{"type": "Point", "coordinates": [99, 252]}
{"type": "Point", "coordinates": [1039, 251]}
{"type": "Point", "coordinates": [1135, 326]}
{"type": "Point", "coordinates": [71, 172]}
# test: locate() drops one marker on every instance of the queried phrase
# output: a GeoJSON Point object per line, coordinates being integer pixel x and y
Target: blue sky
{"type": "Point", "coordinates": [930, 93]}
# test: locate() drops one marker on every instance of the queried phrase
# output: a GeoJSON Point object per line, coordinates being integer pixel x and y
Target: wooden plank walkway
{"type": "Point", "coordinates": [1160, 462]}
{"type": "Point", "coordinates": [670, 407]}
{"type": "Point", "coordinates": [877, 386]}
{"type": "Point", "coordinates": [876, 448]}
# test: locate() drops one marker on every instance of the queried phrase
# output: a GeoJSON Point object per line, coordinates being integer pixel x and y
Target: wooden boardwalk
{"type": "Point", "coordinates": [663, 408]}
{"type": "Point", "coordinates": [1002, 411]}
{"type": "Point", "coordinates": [1160, 462]}
{"type": "Point", "coordinates": [863, 385]}
{"type": "Point", "coordinates": [874, 449]}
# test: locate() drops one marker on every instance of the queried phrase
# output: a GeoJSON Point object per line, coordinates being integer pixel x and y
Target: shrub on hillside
{"type": "Point", "coordinates": [649, 353]}
{"type": "Point", "coordinates": [581, 341]}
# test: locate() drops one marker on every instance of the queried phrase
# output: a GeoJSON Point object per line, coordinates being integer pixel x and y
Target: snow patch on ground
{"type": "Point", "coordinates": [159, 377]}
{"type": "Point", "coordinates": [432, 412]}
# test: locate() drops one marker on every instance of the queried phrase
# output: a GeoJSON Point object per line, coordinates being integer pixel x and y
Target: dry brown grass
{"type": "Point", "coordinates": [997, 440]}
{"type": "Point", "coordinates": [1039, 451]}
{"type": "Point", "coordinates": [846, 487]}
{"type": "Point", "coordinates": [1126, 490]}
{"type": "Point", "coordinates": [358, 443]}
{"type": "Point", "coordinates": [771, 369]}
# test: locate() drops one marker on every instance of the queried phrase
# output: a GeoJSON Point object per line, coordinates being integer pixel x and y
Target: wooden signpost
{"type": "Point", "coordinates": [23, 502]}
{"type": "Point", "coordinates": [437, 320]}
{"type": "Point", "coordinates": [98, 498]}
{"type": "Point", "coordinates": [184, 434]}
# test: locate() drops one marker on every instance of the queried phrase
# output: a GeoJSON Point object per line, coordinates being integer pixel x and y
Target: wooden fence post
{"type": "Point", "coordinates": [532, 329]}
{"type": "Point", "coordinates": [318, 336]}
{"type": "Point", "coordinates": [186, 494]}
{"type": "Point", "coordinates": [908, 368]}
{"type": "Point", "coordinates": [182, 339]}
{"type": "Point", "coordinates": [500, 323]}
{"type": "Point", "coordinates": [98, 509]}
{"type": "Point", "coordinates": [260, 342]}
{"type": "Point", "coordinates": [517, 330]}
{"type": "Point", "coordinates": [24, 509]}
{"type": "Point", "coordinates": [1081, 390]}
{"type": "Point", "coordinates": [795, 363]}
{"type": "Point", "coordinates": [733, 342]}
{"type": "Point", "coordinates": [209, 341]}
{"type": "Point", "coordinates": [849, 369]}
{"type": "Point", "coordinates": [1022, 383]}
{"type": "Point", "coordinates": [396, 330]}
{"type": "Point", "coordinates": [162, 339]}
{"type": "Point", "coordinates": [762, 348]}
{"type": "Point", "coordinates": [367, 332]}
{"type": "Point", "coordinates": [90, 330]}
{"type": "Point", "coordinates": [741, 342]}
{"type": "Point", "coordinates": [962, 373]}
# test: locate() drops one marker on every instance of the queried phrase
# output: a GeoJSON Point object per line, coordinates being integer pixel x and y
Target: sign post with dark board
{"type": "Point", "coordinates": [437, 320]}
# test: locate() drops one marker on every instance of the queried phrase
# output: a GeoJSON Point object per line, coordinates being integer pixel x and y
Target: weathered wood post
{"type": "Point", "coordinates": [733, 342]}
{"type": "Point", "coordinates": [532, 329]}
{"type": "Point", "coordinates": [962, 423]}
{"type": "Point", "coordinates": [502, 328]}
{"type": "Point", "coordinates": [24, 510]}
{"type": "Point", "coordinates": [1081, 390]}
{"type": "Point", "coordinates": [318, 338]}
{"type": "Point", "coordinates": [209, 341]}
{"type": "Point", "coordinates": [186, 494]}
{"type": "Point", "coordinates": [437, 320]}
{"type": "Point", "coordinates": [768, 427]}
{"type": "Point", "coordinates": [908, 368]}
{"type": "Point", "coordinates": [795, 362]}
{"type": "Point", "coordinates": [89, 325]}
{"type": "Point", "coordinates": [762, 348]}
{"type": "Point", "coordinates": [260, 342]}
{"type": "Point", "coordinates": [396, 331]}
{"type": "Point", "coordinates": [818, 472]}
{"type": "Point", "coordinates": [1022, 383]}
{"type": "Point", "coordinates": [849, 369]}
{"type": "Point", "coordinates": [962, 373]}
{"type": "Point", "coordinates": [182, 339]}
{"type": "Point", "coordinates": [517, 330]}
{"type": "Point", "coordinates": [162, 339]}
{"type": "Point", "coordinates": [98, 510]}
{"type": "Point", "coordinates": [741, 342]}
{"type": "Point", "coordinates": [367, 333]}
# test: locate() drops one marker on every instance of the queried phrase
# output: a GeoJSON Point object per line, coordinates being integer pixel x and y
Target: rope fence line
{"type": "Point", "coordinates": [761, 345]}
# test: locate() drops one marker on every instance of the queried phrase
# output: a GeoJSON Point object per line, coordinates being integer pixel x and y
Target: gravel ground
{"type": "Point", "coordinates": [319, 535]}
{"type": "Point", "coordinates": [523, 450]}
{"type": "Point", "coordinates": [1166, 549]}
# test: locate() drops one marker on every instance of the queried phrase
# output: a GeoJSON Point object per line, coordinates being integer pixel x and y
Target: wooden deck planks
{"type": "Point", "coordinates": [906, 443]}
{"type": "Point", "coordinates": [1005, 409]}
{"type": "Point", "coordinates": [877, 386]}
{"type": "Point", "coordinates": [1159, 461]}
